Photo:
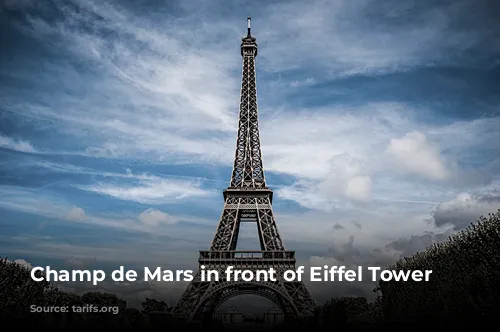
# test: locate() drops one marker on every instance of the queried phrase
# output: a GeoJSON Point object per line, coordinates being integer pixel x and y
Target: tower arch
{"type": "Point", "coordinates": [221, 293]}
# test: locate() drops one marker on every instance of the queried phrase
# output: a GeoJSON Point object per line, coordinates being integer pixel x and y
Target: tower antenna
{"type": "Point", "coordinates": [249, 19]}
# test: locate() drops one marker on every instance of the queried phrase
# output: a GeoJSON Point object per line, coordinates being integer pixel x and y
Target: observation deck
{"type": "Point", "coordinates": [243, 257]}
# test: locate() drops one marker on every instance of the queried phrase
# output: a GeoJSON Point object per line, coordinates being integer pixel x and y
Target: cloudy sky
{"type": "Point", "coordinates": [379, 126]}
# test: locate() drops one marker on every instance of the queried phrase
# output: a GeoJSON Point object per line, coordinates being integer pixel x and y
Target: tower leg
{"type": "Point", "coordinates": [253, 209]}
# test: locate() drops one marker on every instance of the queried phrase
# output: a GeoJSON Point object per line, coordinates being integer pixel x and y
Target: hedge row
{"type": "Point", "coordinates": [464, 284]}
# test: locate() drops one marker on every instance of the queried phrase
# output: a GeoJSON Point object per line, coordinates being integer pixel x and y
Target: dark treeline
{"type": "Point", "coordinates": [464, 288]}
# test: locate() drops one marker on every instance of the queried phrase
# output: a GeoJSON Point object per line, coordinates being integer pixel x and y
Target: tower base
{"type": "Point", "coordinates": [202, 298]}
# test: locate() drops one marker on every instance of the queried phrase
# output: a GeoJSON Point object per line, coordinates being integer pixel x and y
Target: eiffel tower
{"type": "Point", "coordinates": [247, 199]}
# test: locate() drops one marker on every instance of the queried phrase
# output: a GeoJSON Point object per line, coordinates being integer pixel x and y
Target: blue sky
{"type": "Point", "coordinates": [379, 126]}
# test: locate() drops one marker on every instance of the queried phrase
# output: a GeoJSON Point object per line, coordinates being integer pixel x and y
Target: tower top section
{"type": "Point", "coordinates": [248, 173]}
{"type": "Point", "coordinates": [248, 43]}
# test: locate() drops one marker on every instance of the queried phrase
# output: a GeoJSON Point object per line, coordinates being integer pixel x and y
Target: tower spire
{"type": "Point", "coordinates": [249, 19]}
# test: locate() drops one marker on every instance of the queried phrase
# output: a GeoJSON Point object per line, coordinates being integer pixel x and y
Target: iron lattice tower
{"type": "Point", "coordinates": [247, 199]}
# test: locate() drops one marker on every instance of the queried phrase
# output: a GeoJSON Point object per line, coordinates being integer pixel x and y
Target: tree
{"type": "Point", "coordinates": [20, 291]}
{"type": "Point", "coordinates": [151, 305]}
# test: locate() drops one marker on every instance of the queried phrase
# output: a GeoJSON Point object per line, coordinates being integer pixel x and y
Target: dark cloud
{"type": "Point", "coordinates": [475, 18]}
{"type": "Point", "coordinates": [408, 246]}
{"type": "Point", "coordinates": [351, 255]}
{"type": "Point", "coordinates": [466, 208]}
{"type": "Point", "coordinates": [492, 197]}
{"type": "Point", "coordinates": [345, 252]}
{"type": "Point", "coordinates": [16, 4]}
{"type": "Point", "coordinates": [472, 178]}
{"type": "Point", "coordinates": [338, 226]}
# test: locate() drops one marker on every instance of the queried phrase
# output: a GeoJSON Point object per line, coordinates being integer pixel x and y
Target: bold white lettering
{"type": "Point", "coordinates": [178, 275]}
{"type": "Point", "coordinates": [315, 272]}
{"type": "Point", "coordinates": [131, 275]}
{"type": "Point", "coordinates": [64, 275]}
{"type": "Point", "coordinates": [417, 275]}
{"type": "Point", "coordinates": [229, 271]}
{"type": "Point", "coordinates": [148, 276]}
{"type": "Point", "coordinates": [188, 275]}
{"type": "Point", "coordinates": [118, 272]}
{"type": "Point", "coordinates": [272, 274]}
{"type": "Point", "coordinates": [50, 272]}
{"type": "Point", "coordinates": [81, 273]}
{"type": "Point", "coordinates": [33, 271]}
{"type": "Point", "coordinates": [168, 275]}
{"type": "Point", "coordinates": [350, 275]}
{"type": "Point", "coordinates": [299, 272]}
{"type": "Point", "coordinates": [247, 275]}
{"type": "Point", "coordinates": [98, 276]}
{"type": "Point", "coordinates": [374, 270]}
{"type": "Point", "coordinates": [289, 275]}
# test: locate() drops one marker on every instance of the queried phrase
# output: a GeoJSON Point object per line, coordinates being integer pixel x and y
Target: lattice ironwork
{"type": "Point", "coordinates": [248, 172]}
{"type": "Point", "coordinates": [247, 199]}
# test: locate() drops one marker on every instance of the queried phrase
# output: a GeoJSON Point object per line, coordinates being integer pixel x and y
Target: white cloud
{"type": "Point", "coordinates": [76, 214]}
{"type": "Point", "coordinates": [16, 145]}
{"type": "Point", "coordinates": [414, 153]}
{"type": "Point", "coordinates": [346, 176]}
{"type": "Point", "coordinates": [150, 192]}
{"type": "Point", "coordinates": [166, 78]}
{"type": "Point", "coordinates": [191, 184]}
{"type": "Point", "coordinates": [305, 144]}
{"type": "Point", "coordinates": [128, 174]}
{"type": "Point", "coordinates": [23, 263]}
{"type": "Point", "coordinates": [300, 83]}
{"type": "Point", "coordinates": [184, 119]}
{"type": "Point", "coordinates": [306, 197]}
{"type": "Point", "coordinates": [30, 201]}
{"type": "Point", "coordinates": [345, 38]}
{"type": "Point", "coordinates": [38, 203]}
{"type": "Point", "coordinates": [344, 179]}
{"type": "Point", "coordinates": [357, 154]}
{"type": "Point", "coordinates": [152, 217]}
